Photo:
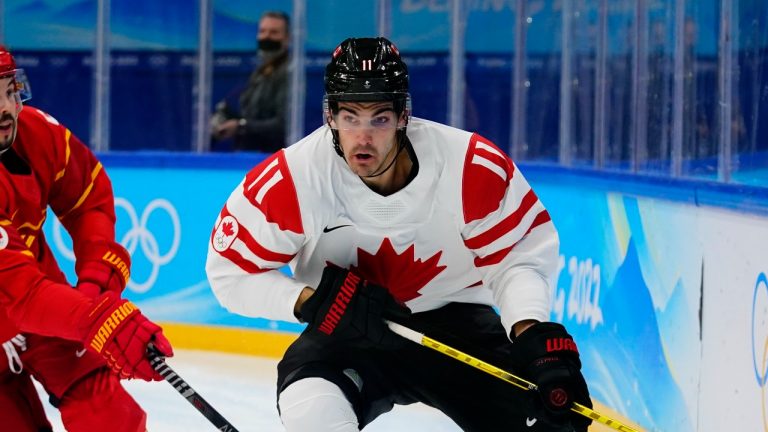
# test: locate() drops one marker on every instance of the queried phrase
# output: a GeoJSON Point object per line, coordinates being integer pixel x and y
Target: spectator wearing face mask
{"type": "Point", "coordinates": [255, 120]}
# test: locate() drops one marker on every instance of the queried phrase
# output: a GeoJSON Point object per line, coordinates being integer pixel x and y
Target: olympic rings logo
{"type": "Point", "coordinates": [138, 236]}
{"type": "Point", "coordinates": [760, 338]}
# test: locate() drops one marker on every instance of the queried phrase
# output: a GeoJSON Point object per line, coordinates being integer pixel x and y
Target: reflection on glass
{"type": "Point", "coordinates": [643, 81]}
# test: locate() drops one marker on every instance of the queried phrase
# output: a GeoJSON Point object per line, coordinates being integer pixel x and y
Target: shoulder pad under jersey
{"type": "Point", "coordinates": [41, 134]}
{"type": "Point", "coordinates": [486, 176]}
{"type": "Point", "coordinates": [270, 188]}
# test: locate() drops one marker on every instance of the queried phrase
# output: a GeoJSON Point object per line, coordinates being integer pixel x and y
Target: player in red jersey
{"type": "Point", "coordinates": [77, 343]}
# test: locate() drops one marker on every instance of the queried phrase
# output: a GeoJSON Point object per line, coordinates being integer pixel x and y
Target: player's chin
{"type": "Point", "coordinates": [363, 167]}
{"type": "Point", "coordinates": [362, 172]}
{"type": "Point", "coordinates": [5, 142]}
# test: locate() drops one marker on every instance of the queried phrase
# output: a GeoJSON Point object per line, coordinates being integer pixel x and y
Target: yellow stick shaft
{"type": "Point", "coordinates": [428, 342]}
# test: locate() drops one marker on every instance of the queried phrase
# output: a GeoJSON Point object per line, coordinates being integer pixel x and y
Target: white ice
{"type": "Point", "coordinates": [242, 389]}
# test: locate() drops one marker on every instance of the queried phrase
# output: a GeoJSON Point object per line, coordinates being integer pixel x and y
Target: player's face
{"type": "Point", "coordinates": [367, 135]}
{"type": "Point", "coordinates": [9, 112]}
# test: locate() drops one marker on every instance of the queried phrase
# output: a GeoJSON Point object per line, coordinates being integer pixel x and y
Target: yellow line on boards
{"type": "Point", "coordinates": [235, 340]}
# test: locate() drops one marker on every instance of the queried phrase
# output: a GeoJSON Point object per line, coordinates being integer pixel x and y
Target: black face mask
{"type": "Point", "coordinates": [269, 45]}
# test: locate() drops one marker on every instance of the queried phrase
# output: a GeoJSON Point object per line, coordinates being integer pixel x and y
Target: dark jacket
{"type": "Point", "coordinates": [263, 106]}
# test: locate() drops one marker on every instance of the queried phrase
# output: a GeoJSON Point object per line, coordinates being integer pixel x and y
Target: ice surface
{"type": "Point", "coordinates": [242, 389]}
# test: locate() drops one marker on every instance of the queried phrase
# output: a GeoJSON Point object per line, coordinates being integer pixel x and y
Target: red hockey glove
{"type": "Point", "coordinates": [546, 355]}
{"type": "Point", "coordinates": [350, 309]}
{"type": "Point", "coordinates": [116, 329]}
{"type": "Point", "coordinates": [102, 266]}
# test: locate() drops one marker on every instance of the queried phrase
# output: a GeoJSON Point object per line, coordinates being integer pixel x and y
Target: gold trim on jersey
{"type": "Point", "coordinates": [94, 174]}
{"type": "Point", "coordinates": [35, 227]}
{"type": "Point", "coordinates": [60, 174]}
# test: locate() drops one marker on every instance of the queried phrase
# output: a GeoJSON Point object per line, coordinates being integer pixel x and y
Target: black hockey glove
{"type": "Point", "coordinates": [349, 309]}
{"type": "Point", "coordinates": [546, 355]}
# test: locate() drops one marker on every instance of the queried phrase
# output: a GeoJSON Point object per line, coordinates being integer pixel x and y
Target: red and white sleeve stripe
{"type": "Point", "coordinates": [243, 249]}
{"type": "Point", "coordinates": [258, 231]}
{"type": "Point", "coordinates": [509, 231]}
{"type": "Point", "coordinates": [500, 208]}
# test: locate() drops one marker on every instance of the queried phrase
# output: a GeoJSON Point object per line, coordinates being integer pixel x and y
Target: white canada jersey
{"type": "Point", "coordinates": [467, 228]}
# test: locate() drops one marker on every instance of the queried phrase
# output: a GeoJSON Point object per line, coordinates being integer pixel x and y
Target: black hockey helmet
{"type": "Point", "coordinates": [365, 70]}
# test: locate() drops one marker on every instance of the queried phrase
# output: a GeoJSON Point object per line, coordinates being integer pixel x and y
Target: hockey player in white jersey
{"type": "Point", "coordinates": [384, 216]}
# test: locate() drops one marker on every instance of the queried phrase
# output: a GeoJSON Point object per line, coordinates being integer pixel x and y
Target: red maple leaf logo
{"type": "Point", "coordinates": [226, 228]}
{"type": "Point", "coordinates": [401, 274]}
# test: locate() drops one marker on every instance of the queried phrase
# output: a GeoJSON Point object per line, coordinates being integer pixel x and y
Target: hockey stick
{"type": "Point", "coordinates": [422, 339]}
{"type": "Point", "coordinates": [158, 363]}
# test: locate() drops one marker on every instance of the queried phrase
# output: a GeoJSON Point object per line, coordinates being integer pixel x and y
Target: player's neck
{"type": "Point", "coordinates": [395, 178]}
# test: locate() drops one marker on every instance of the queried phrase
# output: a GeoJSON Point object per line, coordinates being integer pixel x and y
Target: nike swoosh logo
{"type": "Point", "coordinates": [327, 230]}
{"type": "Point", "coordinates": [80, 353]}
{"type": "Point", "coordinates": [530, 421]}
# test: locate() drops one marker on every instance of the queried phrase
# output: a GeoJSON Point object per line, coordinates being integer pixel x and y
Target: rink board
{"type": "Point", "coordinates": [667, 298]}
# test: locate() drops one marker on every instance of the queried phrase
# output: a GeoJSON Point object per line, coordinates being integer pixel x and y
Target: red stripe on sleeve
{"type": "Point", "coordinates": [241, 262]}
{"type": "Point", "coordinates": [260, 170]}
{"type": "Point", "coordinates": [274, 193]}
{"type": "Point", "coordinates": [493, 258]}
{"type": "Point", "coordinates": [540, 219]}
{"type": "Point", "coordinates": [498, 256]}
{"type": "Point", "coordinates": [496, 159]}
{"type": "Point", "coordinates": [508, 224]}
{"type": "Point", "coordinates": [253, 245]}
{"type": "Point", "coordinates": [483, 188]}
{"type": "Point", "coordinates": [260, 250]}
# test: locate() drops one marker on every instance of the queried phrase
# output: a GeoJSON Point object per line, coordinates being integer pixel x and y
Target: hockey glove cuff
{"type": "Point", "coordinates": [119, 332]}
{"type": "Point", "coordinates": [546, 355]}
{"type": "Point", "coordinates": [347, 308]}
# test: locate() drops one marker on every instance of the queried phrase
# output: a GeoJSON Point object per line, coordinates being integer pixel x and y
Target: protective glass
{"type": "Point", "coordinates": [384, 120]}
{"type": "Point", "coordinates": [22, 85]}
{"type": "Point", "coordinates": [21, 91]}
{"type": "Point", "coordinates": [346, 120]}
{"type": "Point", "coordinates": [10, 95]}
